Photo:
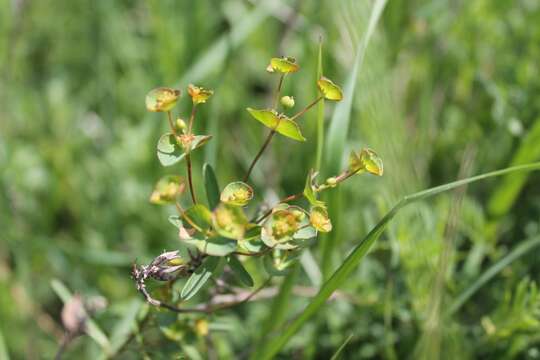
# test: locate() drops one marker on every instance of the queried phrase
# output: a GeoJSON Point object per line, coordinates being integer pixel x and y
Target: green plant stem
{"type": "Point", "coordinates": [188, 156]}
{"type": "Point", "coordinates": [259, 154]}
{"type": "Point", "coordinates": [339, 179]}
{"type": "Point", "coordinates": [192, 118]}
{"type": "Point", "coordinates": [171, 124]}
{"type": "Point", "coordinates": [278, 91]}
{"type": "Point", "coordinates": [190, 178]}
{"type": "Point", "coordinates": [270, 135]}
{"type": "Point", "coordinates": [204, 309]}
{"type": "Point", "coordinates": [302, 112]}
{"type": "Point", "coordinates": [182, 213]}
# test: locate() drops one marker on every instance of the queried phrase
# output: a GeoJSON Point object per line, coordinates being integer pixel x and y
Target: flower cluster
{"type": "Point", "coordinates": [229, 225]}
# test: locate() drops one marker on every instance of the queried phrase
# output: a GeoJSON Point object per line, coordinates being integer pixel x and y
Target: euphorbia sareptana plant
{"type": "Point", "coordinates": [230, 228]}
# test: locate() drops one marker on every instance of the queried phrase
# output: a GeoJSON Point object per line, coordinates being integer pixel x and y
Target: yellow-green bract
{"type": "Point", "coordinates": [278, 122]}
{"type": "Point", "coordinates": [161, 99]}
{"type": "Point", "coordinates": [330, 90]}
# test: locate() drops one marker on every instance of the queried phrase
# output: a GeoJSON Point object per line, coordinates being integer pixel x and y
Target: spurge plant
{"type": "Point", "coordinates": [229, 227]}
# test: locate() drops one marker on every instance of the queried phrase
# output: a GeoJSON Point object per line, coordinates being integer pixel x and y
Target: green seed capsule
{"type": "Point", "coordinates": [287, 101]}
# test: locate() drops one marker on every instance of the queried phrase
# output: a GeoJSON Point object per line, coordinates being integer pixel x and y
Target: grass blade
{"type": "Point", "coordinates": [124, 329]}
{"type": "Point", "coordinates": [516, 253]}
{"type": "Point", "coordinates": [277, 311]}
{"type": "Point", "coordinates": [217, 52]}
{"type": "Point", "coordinates": [340, 349]}
{"type": "Point", "coordinates": [354, 258]}
{"type": "Point", "coordinates": [320, 114]}
{"type": "Point", "coordinates": [339, 125]}
{"type": "Point", "coordinates": [4, 355]}
{"type": "Point", "coordinates": [93, 329]}
{"type": "Point", "coordinates": [508, 190]}
{"type": "Point", "coordinates": [337, 135]}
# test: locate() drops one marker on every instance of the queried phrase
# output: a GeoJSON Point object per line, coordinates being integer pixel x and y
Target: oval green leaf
{"type": "Point", "coordinates": [230, 221]}
{"type": "Point", "coordinates": [309, 191]}
{"type": "Point", "coordinates": [213, 246]}
{"type": "Point", "coordinates": [199, 277]}
{"type": "Point", "coordinates": [240, 271]}
{"type": "Point", "coordinates": [170, 151]}
{"type": "Point", "coordinates": [237, 193]}
{"type": "Point", "coordinates": [200, 216]}
{"type": "Point", "coordinates": [211, 186]}
{"type": "Point", "coordinates": [278, 122]}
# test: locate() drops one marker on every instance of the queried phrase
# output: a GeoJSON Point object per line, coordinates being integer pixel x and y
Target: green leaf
{"type": "Point", "coordinates": [253, 245]}
{"type": "Point", "coordinates": [200, 216]}
{"type": "Point", "coordinates": [237, 193]}
{"type": "Point", "coordinates": [214, 246]}
{"type": "Point", "coordinates": [319, 219]}
{"type": "Point", "coordinates": [508, 190]}
{"type": "Point", "coordinates": [280, 263]}
{"type": "Point", "coordinates": [284, 65]}
{"type": "Point", "coordinates": [230, 221]}
{"type": "Point", "coordinates": [271, 119]}
{"type": "Point", "coordinates": [197, 280]}
{"type": "Point", "coordinates": [239, 271]}
{"type": "Point", "coordinates": [176, 221]}
{"type": "Point", "coordinates": [161, 99]}
{"type": "Point", "coordinates": [309, 193]}
{"type": "Point", "coordinates": [171, 150]}
{"type": "Point", "coordinates": [353, 259]}
{"type": "Point", "coordinates": [366, 160]}
{"type": "Point", "coordinates": [211, 186]}
{"type": "Point", "coordinates": [167, 189]}
{"type": "Point", "coordinates": [330, 90]}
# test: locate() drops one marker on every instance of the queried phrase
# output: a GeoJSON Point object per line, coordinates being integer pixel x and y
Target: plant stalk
{"type": "Point", "coordinates": [296, 116]}
{"type": "Point", "coordinates": [188, 155]}
{"type": "Point", "coordinates": [270, 135]}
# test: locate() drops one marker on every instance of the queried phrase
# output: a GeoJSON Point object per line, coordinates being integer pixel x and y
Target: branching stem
{"type": "Point", "coordinates": [339, 179]}
{"type": "Point", "coordinates": [302, 112]}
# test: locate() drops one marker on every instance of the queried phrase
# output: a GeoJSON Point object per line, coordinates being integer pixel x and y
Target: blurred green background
{"type": "Point", "coordinates": [447, 89]}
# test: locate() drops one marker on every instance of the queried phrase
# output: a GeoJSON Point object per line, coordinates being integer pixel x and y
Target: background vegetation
{"type": "Point", "coordinates": [447, 89]}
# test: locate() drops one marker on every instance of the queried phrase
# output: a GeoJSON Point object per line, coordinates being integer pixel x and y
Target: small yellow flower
{"type": "Point", "coordinates": [161, 99]}
{"type": "Point", "coordinates": [199, 95]}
